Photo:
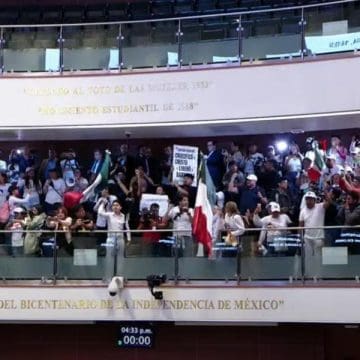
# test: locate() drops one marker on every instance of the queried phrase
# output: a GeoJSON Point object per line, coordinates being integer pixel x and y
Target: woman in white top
{"type": "Point", "coordinates": [116, 221]}
{"type": "Point", "coordinates": [32, 187]}
{"type": "Point", "coordinates": [234, 224]}
{"type": "Point", "coordinates": [54, 188]}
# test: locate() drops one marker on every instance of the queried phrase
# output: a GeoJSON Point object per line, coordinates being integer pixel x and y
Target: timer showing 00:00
{"type": "Point", "coordinates": [131, 340]}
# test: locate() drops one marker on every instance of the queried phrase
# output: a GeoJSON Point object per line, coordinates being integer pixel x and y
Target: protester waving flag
{"type": "Point", "coordinates": [72, 198]}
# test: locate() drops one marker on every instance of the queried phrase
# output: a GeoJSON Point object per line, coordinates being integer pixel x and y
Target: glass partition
{"type": "Point", "coordinates": [87, 47]}
{"type": "Point", "coordinates": [25, 256]}
{"type": "Point", "coordinates": [273, 37]}
{"type": "Point", "coordinates": [147, 253]}
{"type": "Point", "coordinates": [88, 257]}
{"type": "Point", "coordinates": [30, 49]}
{"type": "Point", "coordinates": [257, 34]}
{"type": "Point", "coordinates": [334, 253]}
{"type": "Point", "coordinates": [196, 264]}
{"type": "Point", "coordinates": [210, 40]}
{"type": "Point", "coordinates": [150, 44]}
{"type": "Point", "coordinates": [269, 254]}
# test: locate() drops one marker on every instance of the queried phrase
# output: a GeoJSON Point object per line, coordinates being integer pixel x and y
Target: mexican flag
{"type": "Point", "coordinates": [101, 178]}
{"type": "Point", "coordinates": [203, 215]}
{"type": "Point", "coordinates": [72, 198]}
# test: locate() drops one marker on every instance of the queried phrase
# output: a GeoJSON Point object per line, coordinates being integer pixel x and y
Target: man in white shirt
{"type": "Point", "coordinates": [312, 216]}
{"type": "Point", "coordinates": [182, 217]}
{"type": "Point", "coordinates": [273, 226]}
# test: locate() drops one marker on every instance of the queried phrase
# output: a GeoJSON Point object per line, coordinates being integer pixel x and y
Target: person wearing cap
{"type": "Point", "coordinates": [273, 226]}
{"type": "Point", "coordinates": [312, 215]}
{"type": "Point", "coordinates": [353, 160]}
{"type": "Point", "coordinates": [17, 225]}
{"type": "Point", "coordinates": [330, 170]}
{"type": "Point", "coordinates": [251, 195]}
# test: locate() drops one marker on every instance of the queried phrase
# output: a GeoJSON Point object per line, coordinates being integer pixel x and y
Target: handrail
{"type": "Point", "coordinates": [294, 228]}
{"type": "Point", "coordinates": [177, 18]}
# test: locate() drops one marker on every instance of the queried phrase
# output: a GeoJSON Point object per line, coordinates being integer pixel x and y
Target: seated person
{"type": "Point", "coordinates": [82, 222]}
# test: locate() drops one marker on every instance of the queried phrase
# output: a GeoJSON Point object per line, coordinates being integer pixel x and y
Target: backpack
{"type": "Point", "coordinates": [4, 212]}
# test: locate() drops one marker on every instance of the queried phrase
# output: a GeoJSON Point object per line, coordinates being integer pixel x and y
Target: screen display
{"type": "Point", "coordinates": [136, 335]}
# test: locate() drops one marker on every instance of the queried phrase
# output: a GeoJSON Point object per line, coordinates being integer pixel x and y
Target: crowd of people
{"type": "Point", "coordinates": [308, 185]}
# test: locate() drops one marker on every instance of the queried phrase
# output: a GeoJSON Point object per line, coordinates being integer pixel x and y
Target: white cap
{"type": "Point", "coordinates": [274, 207]}
{"type": "Point", "coordinates": [19, 210]}
{"type": "Point", "coordinates": [70, 182]}
{"type": "Point", "coordinates": [355, 150]}
{"type": "Point", "coordinates": [348, 169]}
{"type": "Point", "coordinates": [310, 194]}
{"type": "Point", "coordinates": [252, 177]}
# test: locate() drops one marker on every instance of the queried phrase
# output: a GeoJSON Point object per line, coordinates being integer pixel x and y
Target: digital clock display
{"type": "Point", "coordinates": [135, 334]}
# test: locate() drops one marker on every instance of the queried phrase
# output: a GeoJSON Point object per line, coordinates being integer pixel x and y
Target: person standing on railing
{"type": "Point", "coordinates": [312, 215]}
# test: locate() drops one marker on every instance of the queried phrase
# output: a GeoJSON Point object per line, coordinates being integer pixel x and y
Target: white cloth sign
{"type": "Point", "coordinates": [185, 161]}
{"type": "Point", "coordinates": [161, 200]}
{"type": "Point", "coordinates": [333, 43]}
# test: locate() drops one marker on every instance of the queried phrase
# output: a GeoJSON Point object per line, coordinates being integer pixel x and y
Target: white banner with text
{"type": "Point", "coordinates": [185, 161]}
{"type": "Point", "coordinates": [235, 304]}
{"type": "Point", "coordinates": [247, 92]}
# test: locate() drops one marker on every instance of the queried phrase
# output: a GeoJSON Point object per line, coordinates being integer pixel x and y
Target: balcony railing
{"type": "Point", "coordinates": [287, 254]}
{"type": "Point", "coordinates": [221, 38]}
